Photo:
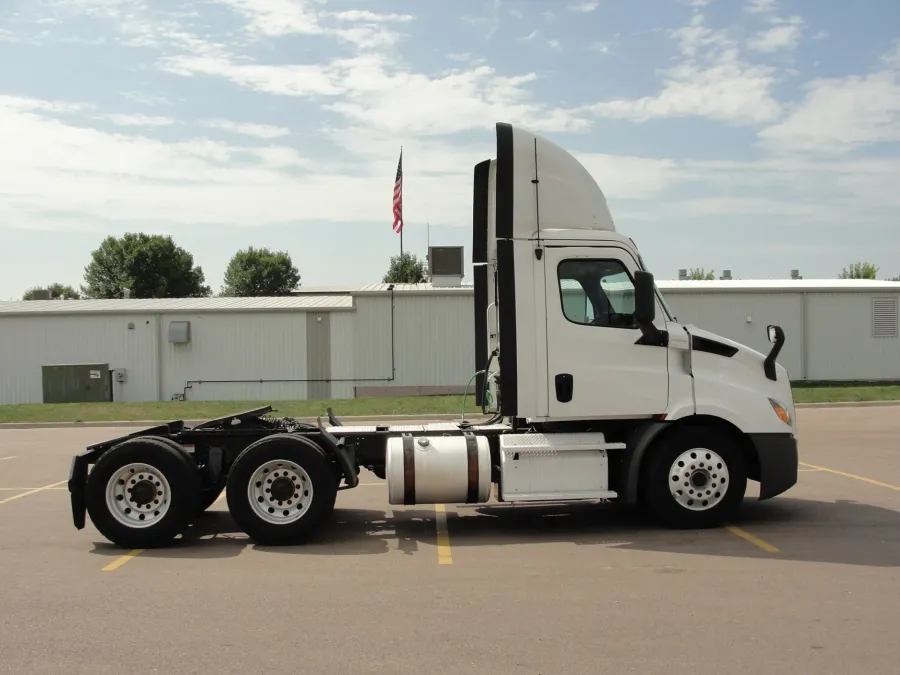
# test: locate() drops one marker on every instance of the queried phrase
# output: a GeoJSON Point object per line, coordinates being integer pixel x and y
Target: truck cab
{"type": "Point", "coordinates": [574, 334]}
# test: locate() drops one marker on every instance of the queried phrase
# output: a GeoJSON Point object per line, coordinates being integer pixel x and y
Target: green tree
{"type": "Point", "coordinates": [859, 270]}
{"type": "Point", "coordinates": [150, 266]}
{"type": "Point", "coordinates": [257, 272]}
{"type": "Point", "coordinates": [405, 269]}
{"type": "Point", "coordinates": [700, 274]}
{"type": "Point", "coordinates": [57, 292]}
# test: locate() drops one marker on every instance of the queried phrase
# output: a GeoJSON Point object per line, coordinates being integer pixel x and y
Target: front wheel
{"type": "Point", "coordinates": [281, 489]}
{"type": "Point", "coordinates": [696, 479]}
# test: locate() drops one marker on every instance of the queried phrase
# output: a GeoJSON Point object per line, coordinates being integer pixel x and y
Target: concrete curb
{"type": "Point", "coordinates": [370, 419]}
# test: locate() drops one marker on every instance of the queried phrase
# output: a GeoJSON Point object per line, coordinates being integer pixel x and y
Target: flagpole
{"type": "Point", "coordinates": [403, 222]}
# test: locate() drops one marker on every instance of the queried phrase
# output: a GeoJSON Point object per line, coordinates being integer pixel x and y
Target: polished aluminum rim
{"type": "Point", "coordinates": [280, 492]}
{"type": "Point", "coordinates": [699, 479]}
{"type": "Point", "coordinates": [138, 495]}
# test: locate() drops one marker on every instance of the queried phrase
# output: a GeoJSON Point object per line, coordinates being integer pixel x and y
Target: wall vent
{"type": "Point", "coordinates": [884, 317]}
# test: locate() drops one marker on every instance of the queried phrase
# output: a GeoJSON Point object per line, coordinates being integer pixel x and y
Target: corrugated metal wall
{"type": "Point", "coordinates": [434, 342]}
{"type": "Point", "coordinates": [268, 346]}
{"type": "Point", "coordinates": [727, 314]}
{"type": "Point", "coordinates": [841, 345]}
{"type": "Point", "coordinates": [27, 343]}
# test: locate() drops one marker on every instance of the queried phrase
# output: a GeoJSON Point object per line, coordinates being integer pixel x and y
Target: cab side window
{"type": "Point", "coordinates": [596, 292]}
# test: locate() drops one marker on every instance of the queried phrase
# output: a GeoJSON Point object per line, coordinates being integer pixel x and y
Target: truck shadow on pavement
{"type": "Point", "coordinates": [803, 530]}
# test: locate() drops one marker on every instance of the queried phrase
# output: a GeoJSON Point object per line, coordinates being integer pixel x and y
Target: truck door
{"type": "Point", "coordinates": [594, 367]}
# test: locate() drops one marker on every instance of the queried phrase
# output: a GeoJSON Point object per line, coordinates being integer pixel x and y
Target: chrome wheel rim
{"type": "Point", "coordinates": [699, 479]}
{"type": "Point", "coordinates": [280, 492]}
{"type": "Point", "coordinates": [138, 495]}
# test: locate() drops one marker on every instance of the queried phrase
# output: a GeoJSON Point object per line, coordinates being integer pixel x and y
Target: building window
{"type": "Point", "coordinates": [884, 317]}
{"type": "Point", "coordinates": [596, 292]}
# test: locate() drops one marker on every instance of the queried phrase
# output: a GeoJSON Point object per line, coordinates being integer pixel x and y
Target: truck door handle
{"type": "Point", "coordinates": [564, 387]}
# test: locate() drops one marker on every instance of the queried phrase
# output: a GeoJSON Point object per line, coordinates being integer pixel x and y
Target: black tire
{"type": "Point", "coordinates": [715, 452]}
{"type": "Point", "coordinates": [178, 470]}
{"type": "Point", "coordinates": [208, 496]}
{"type": "Point", "coordinates": [302, 457]}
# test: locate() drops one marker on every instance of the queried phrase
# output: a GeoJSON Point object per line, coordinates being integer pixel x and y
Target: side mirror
{"type": "Point", "coordinates": [776, 337]}
{"type": "Point", "coordinates": [644, 298]}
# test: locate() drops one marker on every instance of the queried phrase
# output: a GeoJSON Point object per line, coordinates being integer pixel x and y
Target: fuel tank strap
{"type": "Point", "coordinates": [409, 471]}
{"type": "Point", "coordinates": [472, 457]}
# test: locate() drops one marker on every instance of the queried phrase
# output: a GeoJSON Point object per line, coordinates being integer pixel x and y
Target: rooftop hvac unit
{"type": "Point", "coordinates": [446, 265]}
{"type": "Point", "coordinates": [682, 275]}
{"type": "Point", "coordinates": [726, 275]}
{"type": "Point", "coordinates": [795, 274]}
{"type": "Point", "coordinates": [41, 294]}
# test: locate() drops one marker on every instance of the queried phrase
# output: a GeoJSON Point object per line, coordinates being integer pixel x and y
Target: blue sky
{"type": "Point", "coordinates": [753, 135]}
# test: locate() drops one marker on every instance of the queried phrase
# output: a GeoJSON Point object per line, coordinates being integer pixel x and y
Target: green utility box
{"type": "Point", "coordinates": [77, 383]}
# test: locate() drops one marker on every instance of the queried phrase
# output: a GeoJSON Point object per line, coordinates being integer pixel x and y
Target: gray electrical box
{"type": "Point", "coordinates": [77, 383]}
{"type": "Point", "coordinates": [179, 332]}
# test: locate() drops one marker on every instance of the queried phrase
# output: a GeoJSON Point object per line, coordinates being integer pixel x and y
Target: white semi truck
{"type": "Point", "coordinates": [597, 393]}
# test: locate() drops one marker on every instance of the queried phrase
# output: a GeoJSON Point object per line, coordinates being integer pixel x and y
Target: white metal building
{"type": "Point", "coordinates": [341, 342]}
{"type": "Point", "coordinates": [315, 345]}
{"type": "Point", "coordinates": [836, 329]}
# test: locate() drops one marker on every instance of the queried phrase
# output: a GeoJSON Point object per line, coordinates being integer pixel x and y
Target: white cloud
{"type": "Point", "coordinates": [784, 34]}
{"type": "Point", "coordinates": [710, 81]}
{"type": "Point", "coordinates": [376, 90]}
{"type": "Point", "coordinates": [362, 15]}
{"type": "Point", "coordinates": [278, 18]}
{"type": "Point", "coordinates": [760, 6]}
{"type": "Point", "coordinates": [586, 6]}
{"type": "Point", "coordinates": [265, 131]}
{"type": "Point", "coordinates": [140, 120]}
{"type": "Point", "coordinates": [841, 114]}
{"type": "Point", "coordinates": [601, 46]}
{"type": "Point", "coordinates": [274, 18]}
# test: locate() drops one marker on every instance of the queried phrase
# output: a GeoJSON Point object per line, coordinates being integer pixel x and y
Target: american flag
{"type": "Point", "coordinates": [398, 196]}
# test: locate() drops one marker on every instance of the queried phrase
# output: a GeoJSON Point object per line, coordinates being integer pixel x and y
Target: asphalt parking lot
{"type": "Point", "coordinates": [804, 583]}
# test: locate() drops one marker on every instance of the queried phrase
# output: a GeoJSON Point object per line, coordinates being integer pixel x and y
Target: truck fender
{"type": "Point", "coordinates": [638, 443]}
{"type": "Point", "coordinates": [331, 445]}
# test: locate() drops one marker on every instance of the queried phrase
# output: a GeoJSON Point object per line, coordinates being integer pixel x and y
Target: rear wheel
{"type": "Point", "coordinates": [696, 478]}
{"type": "Point", "coordinates": [281, 489]}
{"type": "Point", "coordinates": [142, 493]}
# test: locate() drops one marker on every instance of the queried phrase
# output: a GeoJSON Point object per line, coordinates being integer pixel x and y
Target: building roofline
{"type": "Point", "coordinates": [175, 306]}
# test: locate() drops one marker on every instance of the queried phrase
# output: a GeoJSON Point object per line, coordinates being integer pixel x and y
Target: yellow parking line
{"type": "Point", "coordinates": [3, 459]}
{"type": "Point", "coordinates": [32, 491]}
{"type": "Point", "coordinates": [118, 562]}
{"type": "Point", "coordinates": [443, 536]}
{"type": "Point", "coordinates": [756, 541]}
{"type": "Point", "coordinates": [854, 476]}
{"type": "Point", "coordinates": [20, 489]}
